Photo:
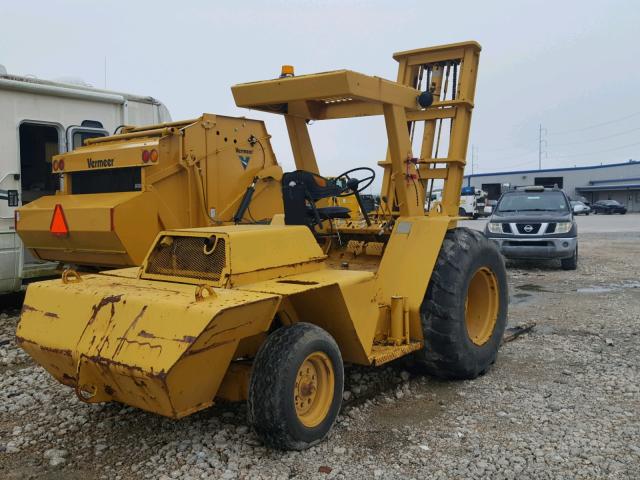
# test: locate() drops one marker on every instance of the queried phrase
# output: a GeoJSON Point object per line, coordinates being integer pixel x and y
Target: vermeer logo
{"type": "Point", "coordinates": [102, 163]}
{"type": "Point", "coordinates": [245, 158]}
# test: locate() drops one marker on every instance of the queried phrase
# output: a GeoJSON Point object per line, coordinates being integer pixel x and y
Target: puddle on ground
{"type": "Point", "coordinates": [608, 288]}
{"type": "Point", "coordinates": [519, 298]}
{"type": "Point", "coordinates": [595, 290]}
{"type": "Point", "coordinates": [427, 402]}
{"type": "Point", "coordinates": [531, 287]}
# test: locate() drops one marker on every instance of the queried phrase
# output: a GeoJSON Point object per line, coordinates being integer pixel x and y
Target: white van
{"type": "Point", "coordinates": [39, 119]}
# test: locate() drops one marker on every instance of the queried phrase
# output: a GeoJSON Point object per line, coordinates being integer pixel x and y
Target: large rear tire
{"type": "Point", "coordinates": [464, 312]}
{"type": "Point", "coordinates": [295, 392]}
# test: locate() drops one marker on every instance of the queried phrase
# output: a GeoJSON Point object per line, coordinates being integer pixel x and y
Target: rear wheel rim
{"type": "Point", "coordinates": [314, 389]}
{"type": "Point", "coordinates": [481, 306]}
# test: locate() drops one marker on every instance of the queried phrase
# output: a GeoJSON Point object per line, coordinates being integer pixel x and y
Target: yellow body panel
{"type": "Point", "coordinates": [107, 155]}
{"type": "Point", "coordinates": [145, 343]}
{"type": "Point", "coordinates": [407, 275]}
{"type": "Point", "coordinates": [251, 253]}
{"type": "Point", "coordinates": [316, 96]}
{"type": "Point", "coordinates": [112, 228]}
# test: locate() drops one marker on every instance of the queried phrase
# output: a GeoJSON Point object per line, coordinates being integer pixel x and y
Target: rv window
{"type": "Point", "coordinates": [106, 181]}
{"type": "Point", "coordinates": [79, 135]}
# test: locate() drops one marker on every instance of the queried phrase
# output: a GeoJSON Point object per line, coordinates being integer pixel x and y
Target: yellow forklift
{"type": "Point", "coordinates": [270, 313]}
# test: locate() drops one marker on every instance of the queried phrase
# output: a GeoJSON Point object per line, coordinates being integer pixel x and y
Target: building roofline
{"type": "Point", "coordinates": [635, 186]}
{"type": "Point", "coordinates": [592, 167]}
{"type": "Point", "coordinates": [613, 180]}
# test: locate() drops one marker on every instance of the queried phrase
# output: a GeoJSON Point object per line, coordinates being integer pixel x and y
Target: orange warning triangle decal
{"type": "Point", "coordinates": [58, 222]}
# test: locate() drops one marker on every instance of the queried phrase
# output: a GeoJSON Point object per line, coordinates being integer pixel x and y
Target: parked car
{"type": "Point", "coordinates": [537, 223]}
{"type": "Point", "coordinates": [609, 207]}
{"type": "Point", "coordinates": [488, 208]}
{"type": "Point", "coordinates": [580, 208]}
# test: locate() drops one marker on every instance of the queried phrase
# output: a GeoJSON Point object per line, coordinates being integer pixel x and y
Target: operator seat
{"type": "Point", "coordinates": [300, 192]}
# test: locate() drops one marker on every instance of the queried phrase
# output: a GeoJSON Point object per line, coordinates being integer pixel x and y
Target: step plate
{"type": "Point", "coordinates": [381, 354]}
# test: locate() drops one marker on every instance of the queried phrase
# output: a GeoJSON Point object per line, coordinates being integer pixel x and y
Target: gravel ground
{"type": "Point", "coordinates": [561, 402]}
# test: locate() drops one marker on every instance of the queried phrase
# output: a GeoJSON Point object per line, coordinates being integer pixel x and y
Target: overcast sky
{"type": "Point", "coordinates": [568, 65]}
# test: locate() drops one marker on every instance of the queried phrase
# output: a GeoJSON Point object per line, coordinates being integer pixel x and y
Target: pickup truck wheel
{"type": "Point", "coordinates": [464, 311]}
{"type": "Point", "coordinates": [570, 263]}
{"type": "Point", "coordinates": [295, 391]}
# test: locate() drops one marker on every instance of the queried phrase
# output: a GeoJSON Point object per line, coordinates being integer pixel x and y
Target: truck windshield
{"type": "Point", "coordinates": [533, 202]}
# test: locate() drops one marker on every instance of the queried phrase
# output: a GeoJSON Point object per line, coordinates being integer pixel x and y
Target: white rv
{"type": "Point", "coordinates": [472, 202]}
{"type": "Point", "coordinates": [39, 119]}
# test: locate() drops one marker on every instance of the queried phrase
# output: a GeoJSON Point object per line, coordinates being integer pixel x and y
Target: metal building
{"type": "Point", "coordinates": [615, 181]}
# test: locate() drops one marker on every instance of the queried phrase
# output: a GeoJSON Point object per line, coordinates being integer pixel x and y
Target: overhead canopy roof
{"type": "Point", "coordinates": [337, 94]}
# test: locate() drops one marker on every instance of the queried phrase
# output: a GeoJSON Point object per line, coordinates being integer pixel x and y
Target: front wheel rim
{"type": "Point", "coordinates": [314, 388]}
{"type": "Point", "coordinates": [482, 305]}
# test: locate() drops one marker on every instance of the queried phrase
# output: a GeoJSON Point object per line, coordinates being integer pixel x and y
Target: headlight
{"type": "Point", "coordinates": [563, 227]}
{"type": "Point", "coordinates": [494, 227]}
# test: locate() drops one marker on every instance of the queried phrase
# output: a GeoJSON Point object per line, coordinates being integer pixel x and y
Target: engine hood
{"type": "Point", "coordinates": [531, 217]}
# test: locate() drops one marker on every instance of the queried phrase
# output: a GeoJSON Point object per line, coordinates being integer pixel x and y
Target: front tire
{"type": "Point", "coordinates": [295, 392]}
{"type": "Point", "coordinates": [464, 312]}
{"type": "Point", "coordinates": [570, 263]}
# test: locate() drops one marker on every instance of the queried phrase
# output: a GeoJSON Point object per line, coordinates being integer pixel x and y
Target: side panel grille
{"type": "Point", "coordinates": [186, 257]}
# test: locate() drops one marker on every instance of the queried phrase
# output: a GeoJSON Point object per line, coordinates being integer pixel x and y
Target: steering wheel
{"type": "Point", "coordinates": [355, 185]}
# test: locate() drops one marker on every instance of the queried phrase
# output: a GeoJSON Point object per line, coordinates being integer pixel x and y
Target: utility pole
{"type": "Point", "coordinates": [474, 158]}
{"type": "Point", "coordinates": [540, 142]}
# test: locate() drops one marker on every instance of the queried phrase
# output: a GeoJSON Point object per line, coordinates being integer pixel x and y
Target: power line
{"type": "Point", "coordinates": [595, 139]}
{"type": "Point", "coordinates": [584, 154]}
{"type": "Point", "coordinates": [499, 150]}
{"type": "Point", "coordinates": [522, 163]}
{"type": "Point", "coordinates": [543, 143]}
{"type": "Point", "coordinates": [506, 157]}
{"type": "Point", "coordinates": [513, 165]}
{"type": "Point", "coordinates": [517, 150]}
{"type": "Point", "coordinates": [595, 125]}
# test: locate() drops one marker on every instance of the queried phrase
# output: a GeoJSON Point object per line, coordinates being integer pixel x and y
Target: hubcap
{"type": "Point", "coordinates": [481, 306]}
{"type": "Point", "coordinates": [313, 390]}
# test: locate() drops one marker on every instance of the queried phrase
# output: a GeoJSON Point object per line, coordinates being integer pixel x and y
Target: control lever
{"type": "Point", "coordinates": [352, 184]}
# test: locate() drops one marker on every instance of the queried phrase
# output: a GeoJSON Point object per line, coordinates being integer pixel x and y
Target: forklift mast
{"type": "Point", "coordinates": [435, 86]}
